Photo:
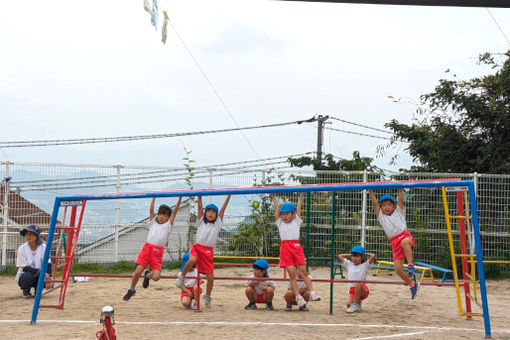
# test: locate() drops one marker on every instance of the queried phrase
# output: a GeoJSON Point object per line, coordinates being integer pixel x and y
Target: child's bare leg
{"type": "Point", "coordinates": [359, 290]}
{"type": "Point", "coordinates": [250, 294]}
{"type": "Point", "coordinates": [305, 293]}
{"type": "Point", "coordinates": [292, 279]}
{"type": "Point", "coordinates": [289, 297]}
{"type": "Point", "coordinates": [349, 302]}
{"type": "Point", "coordinates": [136, 275]}
{"type": "Point", "coordinates": [195, 292]}
{"type": "Point", "coordinates": [187, 267]}
{"type": "Point", "coordinates": [304, 275]}
{"type": "Point", "coordinates": [268, 295]}
{"type": "Point", "coordinates": [399, 269]}
{"type": "Point", "coordinates": [210, 283]}
{"type": "Point", "coordinates": [155, 275]}
{"type": "Point", "coordinates": [407, 245]}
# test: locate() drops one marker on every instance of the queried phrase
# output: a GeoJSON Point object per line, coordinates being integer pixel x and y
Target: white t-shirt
{"type": "Point", "coordinates": [191, 278]}
{"type": "Point", "coordinates": [158, 233]}
{"type": "Point", "coordinates": [356, 273]}
{"type": "Point", "coordinates": [393, 224]}
{"type": "Point", "coordinates": [300, 283]}
{"type": "Point", "coordinates": [289, 231]}
{"type": "Point", "coordinates": [28, 258]}
{"type": "Point", "coordinates": [207, 233]}
{"type": "Point", "coordinates": [258, 287]}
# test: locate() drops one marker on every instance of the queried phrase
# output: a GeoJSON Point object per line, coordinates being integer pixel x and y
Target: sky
{"type": "Point", "coordinates": [82, 69]}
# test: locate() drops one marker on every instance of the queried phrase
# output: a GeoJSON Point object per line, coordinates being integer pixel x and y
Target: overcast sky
{"type": "Point", "coordinates": [80, 69]}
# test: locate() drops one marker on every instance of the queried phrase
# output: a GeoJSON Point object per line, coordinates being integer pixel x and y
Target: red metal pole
{"type": "Point", "coordinates": [463, 249]}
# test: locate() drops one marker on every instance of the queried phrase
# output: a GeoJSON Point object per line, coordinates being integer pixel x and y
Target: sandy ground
{"type": "Point", "coordinates": [156, 312]}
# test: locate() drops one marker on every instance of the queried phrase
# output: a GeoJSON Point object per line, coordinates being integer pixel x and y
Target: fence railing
{"type": "Point", "coordinates": [27, 193]}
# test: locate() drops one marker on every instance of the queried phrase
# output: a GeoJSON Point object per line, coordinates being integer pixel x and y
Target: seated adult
{"type": "Point", "coordinates": [29, 260]}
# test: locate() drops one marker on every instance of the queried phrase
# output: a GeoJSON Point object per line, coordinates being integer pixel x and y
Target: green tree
{"type": "Point", "coordinates": [463, 125]}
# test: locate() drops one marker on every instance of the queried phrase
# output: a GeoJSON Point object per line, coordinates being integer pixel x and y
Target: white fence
{"type": "Point", "coordinates": [28, 189]}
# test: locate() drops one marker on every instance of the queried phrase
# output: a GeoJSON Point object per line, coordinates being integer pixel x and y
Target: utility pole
{"type": "Point", "coordinates": [320, 135]}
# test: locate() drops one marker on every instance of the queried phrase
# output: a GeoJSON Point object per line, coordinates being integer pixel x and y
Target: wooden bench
{"type": "Point", "coordinates": [387, 266]}
{"type": "Point", "coordinates": [439, 269]}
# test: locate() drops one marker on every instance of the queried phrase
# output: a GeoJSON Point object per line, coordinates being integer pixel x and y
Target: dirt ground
{"type": "Point", "coordinates": [156, 312]}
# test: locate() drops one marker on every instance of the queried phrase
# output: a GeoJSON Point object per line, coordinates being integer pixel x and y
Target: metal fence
{"type": "Point", "coordinates": [114, 230]}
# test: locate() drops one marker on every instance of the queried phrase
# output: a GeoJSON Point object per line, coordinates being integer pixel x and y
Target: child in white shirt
{"type": "Point", "coordinates": [357, 268]}
{"type": "Point", "coordinates": [260, 291]}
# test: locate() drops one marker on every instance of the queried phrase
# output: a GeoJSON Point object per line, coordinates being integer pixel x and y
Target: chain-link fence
{"type": "Point", "coordinates": [114, 230]}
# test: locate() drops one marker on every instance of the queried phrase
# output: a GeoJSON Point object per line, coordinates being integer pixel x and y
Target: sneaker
{"type": "Point", "coordinates": [414, 290]}
{"type": "Point", "coordinates": [207, 300]}
{"type": "Point", "coordinates": [410, 270]}
{"type": "Point", "coordinates": [129, 294]}
{"type": "Point", "coordinates": [251, 305]}
{"type": "Point", "coordinates": [314, 296]}
{"type": "Point", "coordinates": [300, 301]}
{"type": "Point", "coordinates": [353, 308]}
{"type": "Point", "coordinates": [26, 293]}
{"type": "Point", "coordinates": [303, 308]}
{"type": "Point", "coordinates": [288, 307]}
{"type": "Point", "coordinates": [270, 306]}
{"type": "Point", "coordinates": [180, 280]}
{"type": "Point", "coordinates": [146, 279]}
{"type": "Point", "coordinates": [195, 306]}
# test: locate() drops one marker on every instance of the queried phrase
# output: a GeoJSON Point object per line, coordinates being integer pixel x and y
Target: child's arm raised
{"type": "Point", "coordinates": [375, 203]}
{"type": "Point", "coordinates": [371, 257]}
{"type": "Point", "coordinates": [341, 257]}
{"type": "Point", "coordinates": [222, 210]}
{"type": "Point", "coordinates": [151, 209]}
{"type": "Point", "coordinates": [276, 206]}
{"type": "Point", "coordinates": [401, 198]}
{"type": "Point", "coordinates": [200, 208]}
{"type": "Point", "coordinates": [174, 212]}
{"type": "Point", "coordinates": [299, 204]}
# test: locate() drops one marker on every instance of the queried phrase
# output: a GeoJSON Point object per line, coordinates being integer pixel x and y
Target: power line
{"type": "Point", "coordinates": [53, 142]}
{"type": "Point", "coordinates": [358, 133]}
{"type": "Point", "coordinates": [361, 125]}
{"type": "Point", "coordinates": [494, 19]}
{"type": "Point", "coordinates": [212, 86]}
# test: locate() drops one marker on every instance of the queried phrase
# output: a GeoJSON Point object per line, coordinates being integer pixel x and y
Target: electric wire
{"type": "Point", "coordinates": [499, 27]}
{"type": "Point", "coordinates": [361, 125]}
{"type": "Point", "coordinates": [357, 133]}
{"type": "Point", "coordinates": [54, 142]}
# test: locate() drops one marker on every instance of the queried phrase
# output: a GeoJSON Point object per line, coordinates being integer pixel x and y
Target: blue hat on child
{"type": "Point", "coordinates": [185, 259]}
{"type": "Point", "coordinates": [386, 197]}
{"type": "Point", "coordinates": [211, 206]}
{"type": "Point", "coordinates": [358, 249]}
{"type": "Point", "coordinates": [288, 207]}
{"type": "Point", "coordinates": [261, 263]}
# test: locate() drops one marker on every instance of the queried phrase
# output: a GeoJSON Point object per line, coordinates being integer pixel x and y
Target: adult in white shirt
{"type": "Point", "coordinates": [29, 260]}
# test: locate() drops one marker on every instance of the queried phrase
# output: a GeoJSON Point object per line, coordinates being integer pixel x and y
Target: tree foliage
{"type": "Point", "coordinates": [463, 125]}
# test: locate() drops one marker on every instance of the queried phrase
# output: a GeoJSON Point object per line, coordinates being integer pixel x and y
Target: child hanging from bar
{"type": "Point", "coordinates": [392, 218]}
{"type": "Point", "coordinates": [160, 226]}
{"type": "Point", "coordinates": [209, 224]}
{"type": "Point", "coordinates": [357, 264]}
{"type": "Point", "coordinates": [288, 221]}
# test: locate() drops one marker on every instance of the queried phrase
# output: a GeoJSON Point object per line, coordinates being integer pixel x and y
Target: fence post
{"type": "Point", "coordinates": [475, 185]}
{"type": "Point", "coordinates": [5, 213]}
{"type": "Point", "coordinates": [363, 210]}
{"type": "Point", "coordinates": [117, 214]}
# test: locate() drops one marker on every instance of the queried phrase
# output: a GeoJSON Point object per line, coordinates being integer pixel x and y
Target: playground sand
{"type": "Point", "coordinates": [156, 312]}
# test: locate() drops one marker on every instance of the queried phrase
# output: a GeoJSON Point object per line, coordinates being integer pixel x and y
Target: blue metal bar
{"type": "Point", "coordinates": [44, 264]}
{"type": "Point", "coordinates": [479, 258]}
{"type": "Point", "coordinates": [269, 190]}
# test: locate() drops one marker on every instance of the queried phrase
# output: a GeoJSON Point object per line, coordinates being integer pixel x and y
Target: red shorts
{"type": "Point", "coordinates": [352, 294]}
{"type": "Point", "coordinates": [150, 255]}
{"type": "Point", "coordinates": [204, 256]}
{"type": "Point", "coordinates": [291, 254]}
{"type": "Point", "coordinates": [183, 293]}
{"type": "Point", "coordinates": [260, 299]}
{"type": "Point", "coordinates": [396, 246]}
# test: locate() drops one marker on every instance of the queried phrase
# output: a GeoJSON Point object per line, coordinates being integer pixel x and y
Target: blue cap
{"type": "Point", "coordinates": [358, 249]}
{"type": "Point", "coordinates": [288, 207]}
{"type": "Point", "coordinates": [185, 259]}
{"type": "Point", "coordinates": [261, 264]}
{"type": "Point", "coordinates": [386, 197]}
{"type": "Point", "coordinates": [211, 206]}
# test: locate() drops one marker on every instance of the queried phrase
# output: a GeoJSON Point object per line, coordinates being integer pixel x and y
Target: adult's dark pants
{"type": "Point", "coordinates": [28, 280]}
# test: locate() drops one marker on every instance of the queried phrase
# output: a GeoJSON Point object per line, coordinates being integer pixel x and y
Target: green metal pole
{"type": "Point", "coordinates": [332, 267]}
{"type": "Point", "coordinates": [308, 194]}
